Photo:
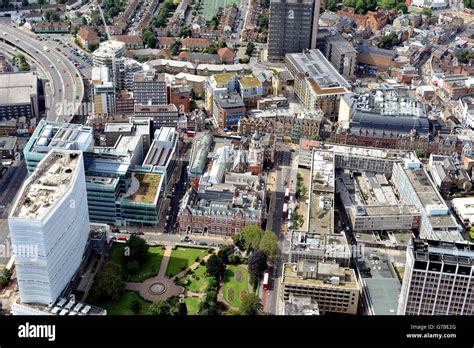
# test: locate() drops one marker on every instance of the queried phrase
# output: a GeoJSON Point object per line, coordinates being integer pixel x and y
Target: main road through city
{"type": "Point", "coordinates": [65, 83]}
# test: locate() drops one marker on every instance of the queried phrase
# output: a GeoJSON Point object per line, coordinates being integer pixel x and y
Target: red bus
{"type": "Point", "coordinates": [266, 281]}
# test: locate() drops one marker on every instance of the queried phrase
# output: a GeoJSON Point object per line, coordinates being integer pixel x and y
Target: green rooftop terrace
{"type": "Point", "coordinates": [143, 188]}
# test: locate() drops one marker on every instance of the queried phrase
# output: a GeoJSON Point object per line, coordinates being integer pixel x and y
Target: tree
{"type": "Point", "coordinates": [192, 94]}
{"type": "Point", "coordinates": [91, 47]}
{"type": "Point", "coordinates": [360, 7]}
{"type": "Point", "coordinates": [51, 16]}
{"type": "Point", "coordinates": [175, 47]}
{"type": "Point", "coordinates": [212, 49]}
{"type": "Point", "coordinates": [262, 22]}
{"type": "Point", "coordinates": [297, 219]}
{"type": "Point", "coordinates": [185, 31]}
{"type": "Point", "coordinates": [95, 18]}
{"type": "Point", "coordinates": [222, 44]}
{"type": "Point", "coordinates": [41, 2]}
{"type": "Point", "coordinates": [138, 249]}
{"type": "Point", "coordinates": [5, 277]}
{"type": "Point", "coordinates": [250, 48]}
{"type": "Point", "coordinates": [135, 306]}
{"type": "Point", "coordinates": [225, 252]}
{"type": "Point", "coordinates": [249, 304]}
{"type": "Point", "coordinates": [420, 153]}
{"type": "Point", "coordinates": [257, 263]}
{"type": "Point", "coordinates": [213, 283]}
{"type": "Point", "coordinates": [215, 266]}
{"type": "Point", "coordinates": [388, 41]}
{"type": "Point", "coordinates": [132, 267]}
{"type": "Point", "coordinates": [181, 309]}
{"type": "Point", "coordinates": [402, 7]}
{"type": "Point", "coordinates": [332, 5]}
{"type": "Point", "coordinates": [465, 56]}
{"type": "Point", "coordinates": [206, 308]}
{"type": "Point", "coordinates": [24, 3]}
{"type": "Point", "coordinates": [252, 235]}
{"type": "Point", "coordinates": [239, 241]}
{"type": "Point", "coordinates": [269, 245]}
{"type": "Point", "coordinates": [84, 21]}
{"type": "Point", "coordinates": [427, 11]}
{"type": "Point", "coordinates": [388, 4]}
{"type": "Point", "coordinates": [149, 38]}
{"type": "Point", "coordinates": [469, 4]}
{"type": "Point", "coordinates": [20, 62]}
{"type": "Point", "coordinates": [109, 283]}
{"type": "Point", "coordinates": [160, 307]}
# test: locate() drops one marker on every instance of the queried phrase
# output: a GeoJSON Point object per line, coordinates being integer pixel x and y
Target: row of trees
{"type": "Point", "coordinates": [110, 280]}
{"type": "Point", "coordinates": [112, 8]}
{"type": "Point", "coordinates": [363, 6]}
{"type": "Point", "coordinates": [254, 238]}
{"type": "Point", "coordinates": [263, 247]}
{"type": "Point", "coordinates": [171, 306]}
{"type": "Point", "coordinates": [300, 188]}
{"type": "Point", "coordinates": [465, 56]}
{"type": "Point", "coordinates": [165, 10]}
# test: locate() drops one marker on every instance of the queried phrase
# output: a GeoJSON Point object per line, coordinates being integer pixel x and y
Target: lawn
{"type": "Point", "coordinates": [122, 307]}
{"type": "Point", "coordinates": [209, 8]}
{"type": "Point", "coordinates": [147, 270]}
{"type": "Point", "coordinates": [235, 284]}
{"type": "Point", "coordinates": [192, 304]}
{"type": "Point", "coordinates": [183, 257]}
{"type": "Point", "coordinates": [196, 282]}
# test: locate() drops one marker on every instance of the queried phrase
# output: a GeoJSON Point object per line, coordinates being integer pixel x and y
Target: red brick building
{"type": "Point", "coordinates": [124, 103]}
{"type": "Point", "coordinates": [180, 96]}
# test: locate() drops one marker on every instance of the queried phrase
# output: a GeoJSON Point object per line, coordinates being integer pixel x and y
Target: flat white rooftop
{"type": "Point", "coordinates": [48, 183]}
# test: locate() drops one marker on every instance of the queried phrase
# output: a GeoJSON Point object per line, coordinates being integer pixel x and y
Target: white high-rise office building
{"type": "Point", "coordinates": [49, 227]}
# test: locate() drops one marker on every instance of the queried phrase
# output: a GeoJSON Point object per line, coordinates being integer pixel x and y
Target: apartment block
{"type": "Point", "coordinates": [318, 84]}
{"type": "Point", "coordinates": [103, 92]}
{"type": "Point", "coordinates": [149, 88]}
